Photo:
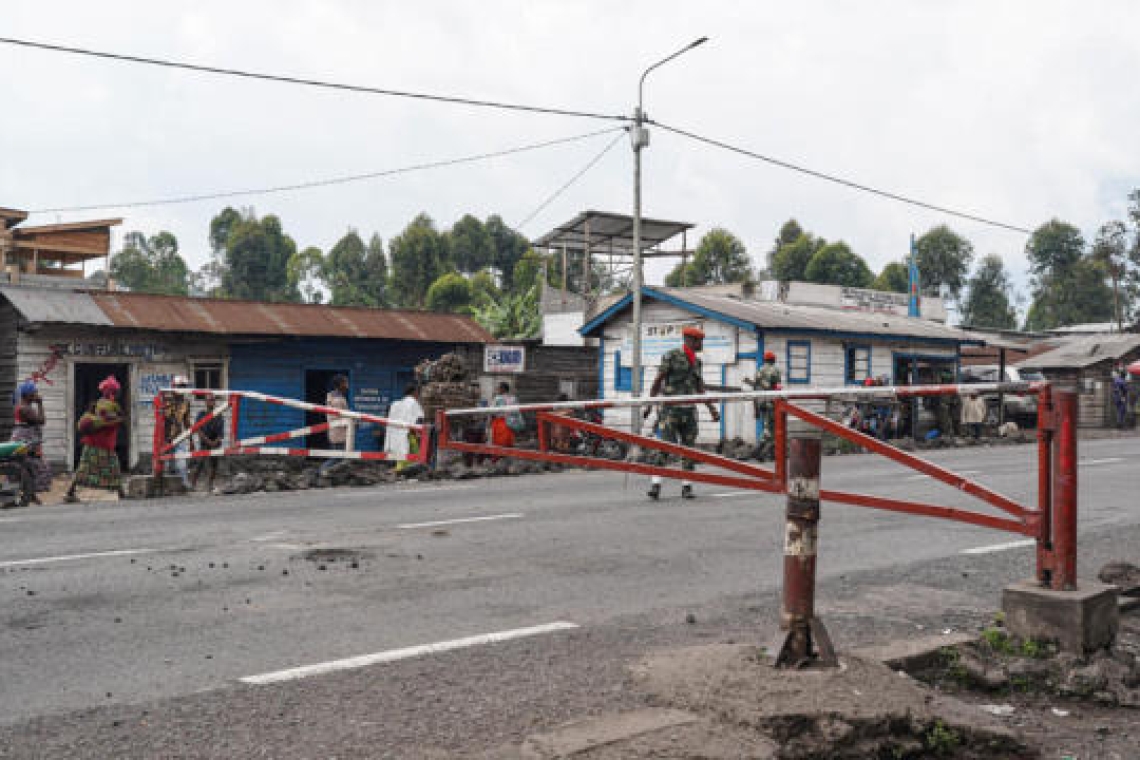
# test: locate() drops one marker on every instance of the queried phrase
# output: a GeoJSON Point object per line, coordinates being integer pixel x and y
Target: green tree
{"type": "Point", "coordinates": [357, 275]}
{"type": "Point", "coordinates": [528, 271]}
{"type": "Point", "coordinates": [944, 259]}
{"type": "Point", "coordinates": [1068, 285]}
{"type": "Point", "coordinates": [894, 278]}
{"type": "Point", "coordinates": [306, 270]}
{"type": "Point", "coordinates": [151, 265]}
{"type": "Point", "coordinates": [790, 261]}
{"type": "Point", "coordinates": [450, 292]}
{"type": "Point", "coordinates": [256, 259]}
{"type": "Point", "coordinates": [720, 258]}
{"type": "Point", "coordinates": [418, 258]}
{"type": "Point", "coordinates": [470, 245]}
{"type": "Point", "coordinates": [988, 297]}
{"type": "Point", "coordinates": [1122, 263]}
{"type": "Point", "coordinates": [513, 316]}
{"type": "Point", "coordinates": [789, 233]}
{"type": "Point", "coordinates": [483, 288]}
{"type": "Point", "coordinates": [507, 247]}
{"type": "Point", "coordinates": [837, 264]}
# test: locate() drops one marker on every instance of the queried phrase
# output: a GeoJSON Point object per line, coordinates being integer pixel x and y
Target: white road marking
{"type": "Point", "coordinates": [72, 557]}
{"type": "Point", "coordinates": [458, 520]}
{"type": "Point", "coordinates": [393, 655]}
{"type": "Point", "coordinates": [1094, 462]}
{"type": "Point", "coordinates": [270, 536]}
{"type": "Point", "coordinates": [730, 494]}
{"type": "Point", "coordinates": [1000, 547]}
{"type": "Point", "coordinates": [922, 476]}
{"type": "Point", "coordinates": [437, 489]}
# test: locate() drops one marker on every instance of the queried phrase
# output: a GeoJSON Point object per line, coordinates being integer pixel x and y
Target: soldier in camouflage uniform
{"type": "Point", "coordinates": [680, 375]}
{"type": "Point", "coordinates": [767, 379]}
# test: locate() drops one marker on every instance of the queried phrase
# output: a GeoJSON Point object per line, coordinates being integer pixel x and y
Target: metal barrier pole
{"type": "Point", "coordinates": [800, 542]}
{"type": "Point", "coordinates": [780, 442]}
{"type": "Point", "coordinates": [235, 411]}
{"type": "Point", "coordinates": [158, 439]}
{"type": "Point", "coordinates": [1065, 492]}
{"type": "Point", "coordinates": [1045, 421]}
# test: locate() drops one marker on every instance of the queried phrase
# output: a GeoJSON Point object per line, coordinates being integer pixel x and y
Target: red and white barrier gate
{"type": "Point", "coordinates": [1052, 522]}
{"type": "Point", "coordinates": [237, 401]}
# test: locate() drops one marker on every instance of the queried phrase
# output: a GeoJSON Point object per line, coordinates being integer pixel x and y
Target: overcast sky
{"type": "Point", "coordinates": [1017, 111]}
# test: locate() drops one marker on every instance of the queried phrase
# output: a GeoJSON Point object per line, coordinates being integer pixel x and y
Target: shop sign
{"type": "Point", "coordinates": [501, 359]}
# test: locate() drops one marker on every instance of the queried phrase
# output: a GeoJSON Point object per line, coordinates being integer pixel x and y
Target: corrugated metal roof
{"type": "Point", "coordinates": [1085, 351]}
{"type": "Point", "coordinates": [54, 305]}
{"type": "Point", "coordinates": [782, 316]}
{"type": "Point", "coordinates": [206, 315]}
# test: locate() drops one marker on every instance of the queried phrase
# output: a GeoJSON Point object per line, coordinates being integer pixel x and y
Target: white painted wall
{"type": "Point", "coordinates": [827, 369]}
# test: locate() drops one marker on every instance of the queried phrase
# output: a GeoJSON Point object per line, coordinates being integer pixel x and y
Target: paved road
{"type": "Point", "coordinates": [138, 604]}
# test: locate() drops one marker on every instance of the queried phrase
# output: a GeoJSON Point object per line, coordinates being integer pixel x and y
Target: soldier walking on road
{"type": "Point", "coordinates": [767, 379]}
{"type": "Point", "coordinates": [680, 375]}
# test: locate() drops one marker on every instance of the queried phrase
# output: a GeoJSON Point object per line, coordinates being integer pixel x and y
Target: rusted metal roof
{"type": "Point", "coordinates": [1085, 351]}
{"type": "Point", "coordinates": [251, 318]}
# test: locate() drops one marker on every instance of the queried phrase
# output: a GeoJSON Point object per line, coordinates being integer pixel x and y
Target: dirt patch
{"type": "Point", "coordinates": [328, 555]}
{"type": "Point", "coordinates": [1064, 705]}
{"type": "Point", "coordinates": [863, 709]}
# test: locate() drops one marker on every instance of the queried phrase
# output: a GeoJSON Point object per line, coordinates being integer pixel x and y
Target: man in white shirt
{"type": "Point", "coordinates": [398, 440]}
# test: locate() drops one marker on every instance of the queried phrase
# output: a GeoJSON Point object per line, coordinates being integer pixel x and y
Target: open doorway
{"type": "Point", "coordinates": [318, 383]}
{"type": "Point", "coordinates": [86, 392]}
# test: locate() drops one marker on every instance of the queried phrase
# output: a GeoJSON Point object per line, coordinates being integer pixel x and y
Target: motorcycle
{"type": "Point", "coordinates": [17, 479]}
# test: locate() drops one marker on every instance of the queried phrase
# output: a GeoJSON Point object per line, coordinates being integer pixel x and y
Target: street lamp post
{"type": "Point", "coordinates": [640, 139]}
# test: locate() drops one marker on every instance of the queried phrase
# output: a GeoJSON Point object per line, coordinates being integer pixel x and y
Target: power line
{"type": "Point", "coordinates": [838, 180]}
{"type": "Point", "coordinates": [569, 182]}
{"type": "Point", "coordinates": [122, 57]}
{"type": "Point", "coordinates": [332, 180]}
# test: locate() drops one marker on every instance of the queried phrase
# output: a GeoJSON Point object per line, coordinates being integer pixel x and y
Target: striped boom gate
{"type": "Point", "coordinates": [237, 402]}
{"type": "Point", "coordinates": [1051, 521]}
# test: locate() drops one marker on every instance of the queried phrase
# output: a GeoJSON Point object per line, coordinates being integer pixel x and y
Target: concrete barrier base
{"type": "Point", "coordinates": [1079, 621]}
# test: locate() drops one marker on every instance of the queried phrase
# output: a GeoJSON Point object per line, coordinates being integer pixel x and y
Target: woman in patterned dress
{"type": "Point", "coordinates": [99, 464]}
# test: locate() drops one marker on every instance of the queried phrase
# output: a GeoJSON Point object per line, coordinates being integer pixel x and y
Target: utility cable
{"type": "Point", "coordinates": [332, 180]}
{"type": "Point", "coordinates": [569, 182]}
{"type": "Point", "coordinates": [121, 57]}
{"type": "Point", "coordinates": [838, 180]}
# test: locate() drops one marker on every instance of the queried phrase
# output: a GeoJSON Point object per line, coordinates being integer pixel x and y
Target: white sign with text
{"type": "Point", "coordinates": [659, 338]}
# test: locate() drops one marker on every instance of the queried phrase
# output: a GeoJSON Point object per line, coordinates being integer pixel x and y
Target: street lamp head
{"type": "Point", "coordinates": [701, 41]}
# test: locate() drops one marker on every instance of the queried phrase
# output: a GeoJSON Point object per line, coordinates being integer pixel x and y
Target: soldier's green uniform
{"type": "Point", "coordinates": [680, 378]}
{"type": "Point", "coordinates": [768, 378]}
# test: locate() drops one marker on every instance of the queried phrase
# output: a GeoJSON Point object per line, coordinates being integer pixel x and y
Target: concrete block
{"type": "Point", "coordinates": [1079, 621]}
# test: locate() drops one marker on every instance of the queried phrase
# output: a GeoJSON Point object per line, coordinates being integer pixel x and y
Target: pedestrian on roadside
{"type": "Point", "coordinates": [210, 436]}
{"type": "Point", "coordinates": [337, 398]}
{"type": "Point", "coordinates": [680, 375]}
{"type": "Point", "coordinates": [98, 463]}
{"type": "Point", "coordinates": [974, 414]}
{"type": "Point", "coordinates": [28, 427]}
{"type": "Point", "coordinates": [561, 437]}
{"type": "Point", "coordinates": [767, 378]}
{"type": "Point", "coordinates": [505, 425]}
{"type": "Point", "coordinates": [176, 413]}
{"type": "Point", "coordinates": [400, 442]}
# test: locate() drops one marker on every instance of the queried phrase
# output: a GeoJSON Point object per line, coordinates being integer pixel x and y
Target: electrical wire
{"type": "Point", "coordinates": [569, 182]}
{"type": "Point", "coordinates": [122, 57]}
{"type": "Point", "coordinates": [331, 180]}
{"type": "Point", "coordinates": [838, 180]}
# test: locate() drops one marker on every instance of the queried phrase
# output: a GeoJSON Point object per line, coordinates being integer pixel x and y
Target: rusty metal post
{"type": "Point", "coordinates": [780, 441]}
{"type": "Point", "coordinates": [235, 413]}
{"type": "Point", "coordinates": [800, 542]}
{"type": "Point", "coordinates": [1065, 492]}
{"type": "Point", "coordinates": [159, 437]}
{"type": "Point", "coordinates": [1045, 485]}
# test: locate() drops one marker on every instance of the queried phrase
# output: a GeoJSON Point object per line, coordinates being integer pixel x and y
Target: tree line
{"type": "Point", "coordinates": [489, 270]}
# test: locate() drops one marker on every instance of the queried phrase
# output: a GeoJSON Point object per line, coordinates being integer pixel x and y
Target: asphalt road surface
{"type": "Point", "coordinates": [244, 625]}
